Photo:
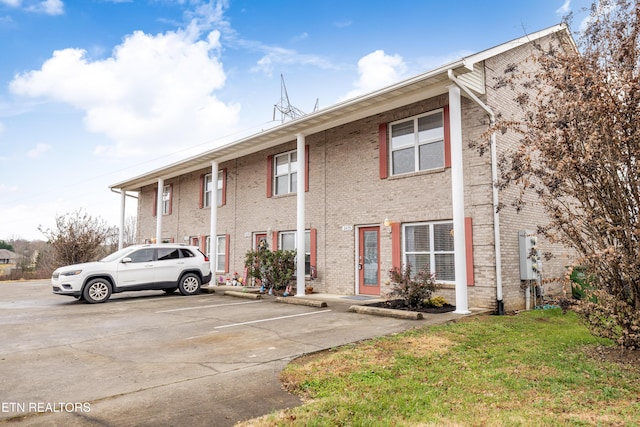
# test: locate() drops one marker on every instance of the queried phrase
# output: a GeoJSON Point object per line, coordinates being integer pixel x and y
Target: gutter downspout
{"type": "Point", "coordinates": [494, 178]}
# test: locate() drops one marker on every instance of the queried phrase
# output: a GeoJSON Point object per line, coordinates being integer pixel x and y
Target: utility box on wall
{"type": "Point", "coordinates": [529, 258]}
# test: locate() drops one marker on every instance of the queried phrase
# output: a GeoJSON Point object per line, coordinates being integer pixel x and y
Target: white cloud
{"type": "Point", "coordinates": [564, 9]}
{"type": "Point", "coordinates": [278, 55]}
{"type": "Point", "coordinates": [155, 94]}
{"type": "Point", "coordinates": [377, 70]}
{"type": "Point", "coordinates": [49, 7]}
{"type": "Point", "coordinates": [39, 150]}
{"type": "Point", "coordinates": [343, 24]}
{"type": "Point", "coordinates": [11, 3]}
{"type": "Point", "coordinates": [1, 128]}
{"type": "Point", "coordinates": [8, 188]}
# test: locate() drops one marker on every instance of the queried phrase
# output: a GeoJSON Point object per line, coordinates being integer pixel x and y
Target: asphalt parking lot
{"type": "Point", "coordinates": [151, 359]}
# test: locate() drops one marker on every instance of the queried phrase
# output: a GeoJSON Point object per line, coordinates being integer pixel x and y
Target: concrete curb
{"type": "Point", "coordinates": [246, 295]}
{"type": "Point", "coordinates": [302, 301]}
{"type": "Point", "coordinates": [389, 312]}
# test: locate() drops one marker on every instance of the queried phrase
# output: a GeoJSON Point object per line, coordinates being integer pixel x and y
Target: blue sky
{"type": "Point", "coordinates": [93, 92]}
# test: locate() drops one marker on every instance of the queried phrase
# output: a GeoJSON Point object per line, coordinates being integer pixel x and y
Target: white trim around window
{"type": "Point", "coordinates": [166, 199]}
{"type": "Point", "coordinates": [428, 246]}
{"type": "Point", "coordinates": [417, 143]}
{"type": "Point", "coordinates": [285, 172]}
{"type": "Point", "coordinates": [287, 242]}
{"type": "Point", "coordinates": [208, 190]}
{"type": "Point", "coordinates": [221, 252]}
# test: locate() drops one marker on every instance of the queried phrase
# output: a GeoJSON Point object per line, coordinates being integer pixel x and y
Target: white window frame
{"type": "Point", "coordinates": [219, 189]}
{"type": "Point", "coordinates": [221, 252]}
{"type": "Point", "coordinates": [307, 244]}
{"type": "Point", "coordinates": [291, 171]}
{"type": "Point", "coordinates": [432, 252]}
{"type": "Point", "coordinates": [208, 190]}
{"type": "Point", "coordinates": [166, 199]}
{"type": "Point", "coordinates": [417, 141]}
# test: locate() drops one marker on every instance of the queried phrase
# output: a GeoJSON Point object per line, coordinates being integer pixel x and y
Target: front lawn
{"type": "Point", "coordinates": [538, 368]}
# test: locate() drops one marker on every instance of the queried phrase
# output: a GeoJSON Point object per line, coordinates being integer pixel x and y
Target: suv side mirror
{"type": "Point", "coordinates": [126, 260]}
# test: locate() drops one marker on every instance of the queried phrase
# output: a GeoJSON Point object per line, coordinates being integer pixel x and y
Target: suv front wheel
{"type": "Point", "coordinates": [97, 290]}
{"type": "Point", "coordinates": [189, 284]}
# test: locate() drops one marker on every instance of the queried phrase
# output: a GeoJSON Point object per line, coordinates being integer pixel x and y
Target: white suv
{"type": "Point", "coordinates": [164, 267]}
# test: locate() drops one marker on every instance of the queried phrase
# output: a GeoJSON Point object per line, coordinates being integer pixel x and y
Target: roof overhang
{"type": "Point", "coordinates": [420, 87]}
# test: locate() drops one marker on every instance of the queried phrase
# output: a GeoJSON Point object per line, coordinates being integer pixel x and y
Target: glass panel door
{"type": "Point", "coordinates": [369, 261]}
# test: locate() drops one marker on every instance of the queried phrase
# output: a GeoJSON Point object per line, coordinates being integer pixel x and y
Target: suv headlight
{"type": "Point", "coordinates": [71, 273]}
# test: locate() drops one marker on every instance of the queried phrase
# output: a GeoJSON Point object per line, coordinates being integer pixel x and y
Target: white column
{"type": "Point", "coordinates": [213, 225]}
{"type": "Point", "coordinates": [457, 194]}
{"type": "Point", "coordinates": [123, 198]}
{"type": "Point", "coordinates": [159, 211]}
{"type": "Point", "coordinates": [300, 231]}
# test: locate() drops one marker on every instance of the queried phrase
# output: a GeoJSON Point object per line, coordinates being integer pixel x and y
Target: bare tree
{"type": "Point", "coordinates": [579, 151]}
{"type": "Point", "coordinates": [129, 231]}
{"type": "Point", "coordinates": [78, 238]}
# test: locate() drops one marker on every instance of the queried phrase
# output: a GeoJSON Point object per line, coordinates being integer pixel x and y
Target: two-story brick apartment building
{"type": "Point", "coordinates": [381, 180]}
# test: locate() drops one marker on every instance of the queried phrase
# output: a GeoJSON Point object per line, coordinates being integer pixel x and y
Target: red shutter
{"type": "Point", "coordinates": [313, 248]}
{"type": "Point", "coordinates": [202, 188]}
{"type": "Point", "coordinates": [224, 188]}
{"type": "Point", "coordinates": [306, 170]}
{"type": "Point", "coordinates": [468, 233]}
{"type": "Point", "coordinates": [383, 145]}
{"type": "Point", "coordinates": [447, 138]}
{"type": "Point", "coordinates": [396, 245]}
{"type": "Point", "coordinates": [274, 241]}
{"type": "Point", "coordinates": [269, 176]}
{"type": "Point", "coordinates": [226, 253]}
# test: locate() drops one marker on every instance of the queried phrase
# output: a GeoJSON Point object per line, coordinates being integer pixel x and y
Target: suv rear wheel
{"type": "Point", "coordinates": [97, 290]}
{"type": "Point", "coordinates": [189, 284]}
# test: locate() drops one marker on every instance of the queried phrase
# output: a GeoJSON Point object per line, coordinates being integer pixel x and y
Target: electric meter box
{"type": "Point", "coordinates": [529, 261]}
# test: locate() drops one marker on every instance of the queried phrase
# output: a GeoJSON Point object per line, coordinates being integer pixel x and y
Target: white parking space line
{"type": "Point", "coordinates": [270, 319]}
{"type": "Point", "coordinates": [200, 336]}
{"type": "Point", "coordinates": [207, 306]}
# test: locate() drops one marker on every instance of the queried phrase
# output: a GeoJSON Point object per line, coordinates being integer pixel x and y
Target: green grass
{"type": "Point", "coordinates": [529, 369]}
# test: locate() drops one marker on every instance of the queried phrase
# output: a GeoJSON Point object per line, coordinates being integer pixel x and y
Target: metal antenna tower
{"type": "Point", "coordinates": [285, 107]}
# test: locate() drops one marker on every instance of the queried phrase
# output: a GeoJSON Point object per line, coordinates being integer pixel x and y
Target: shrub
{"type": "Point", "coordinates": [274, 269]}
{"type": "Point", "coordinates": [437, 301]}
{"type": "Point", "coordinates": [610, 317]}
{"type": "Point", "coordinates": [414, 290]}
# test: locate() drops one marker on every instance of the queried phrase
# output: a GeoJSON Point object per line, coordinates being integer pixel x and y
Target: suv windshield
{"type": "Point", "coordinates": [114, 256]}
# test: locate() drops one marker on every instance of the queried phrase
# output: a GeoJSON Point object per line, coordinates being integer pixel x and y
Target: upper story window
{"type": "Point", "coordinates": [207, 189]}
{"type": "Point", "coordinates": [166, 199]}
{"type": "Point", "coordinates": [219, 188]}
{"type": "Point", "coordinates": [285, 172]}
{"type": "Point", "coordinates": [417, 144]}
{"type": "Point", "coordinates": [282, 172]}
